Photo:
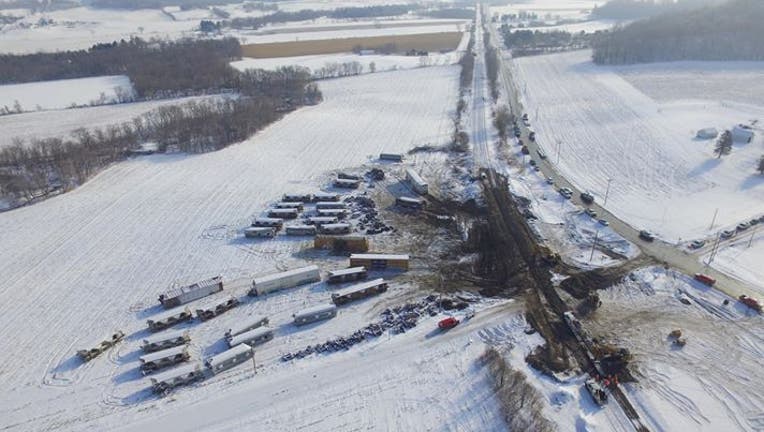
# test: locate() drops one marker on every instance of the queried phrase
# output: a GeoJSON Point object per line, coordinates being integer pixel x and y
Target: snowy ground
{"type": "Point", "coordinates": [550, 9]}
{"type": "Point", "coordinates": [711, 384]}
{"type": "Point", "coordinates": [588, 26]}
{"type": "Point", "coordinates": [94, 260]}
{"type": "Point", "coordinates": [61, 123]}
{"type": "Point", "coordinates": [742, 261]}
{"type": "Point", "coordinates": [47, 95]}
{"type": "Point", "coordinates": [663, 178]}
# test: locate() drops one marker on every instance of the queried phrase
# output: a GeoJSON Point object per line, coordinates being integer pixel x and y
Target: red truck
{"type": "Point", "coordinates": [705, 279]}
{"type": "Point", "coordinates": [448, 323]}
{"type": "Point", "coordinates": [750, 302]}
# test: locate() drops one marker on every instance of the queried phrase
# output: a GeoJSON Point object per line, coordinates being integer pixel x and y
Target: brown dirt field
{"type": "Point", "coordinates": [425, 42]}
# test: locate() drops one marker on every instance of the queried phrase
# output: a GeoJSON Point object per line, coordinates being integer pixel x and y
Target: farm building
{"type": "Point", "coordinates": [162, 359]}
{"type": "Point", "coordinates": [301, 230]}
{"type": "Point", "coordinates": [166, 340]}
{"type": "Point", "coordinates": [342, 243]}
{"type": "Point", "coordinates": [169, 319]}
{"type": "Point", "coordinates": [324, 205]}
{"type": "Point", "coordinates": [283, 213]}
{"type": "Point", "coordinates": [325, 196]}
{"type": "Point", "coordinates": [303, 198]}
{"type": "Point", "coordinates": [268, 222]}
{"type": "Point", "coordinates": [337, 228]}
{"type": "Point", "coordinates": [259, 231]}
{"type": "Point", "coordinates": [216, 308]}
{"type": "Point", "coordinates": [315, 313]}
{"type": "Point", "coordinates": [346, 183]}
{"type": "Point", "coordinates": [707, 133]}
{"type": "Point", "coordinates": [321, 220]}
{"type": "Point", "coordinates": [253, 337]}
{"type": "Point", "coordinates": [416, 181]}
{"type": "Point", "coordinates": [179, 376]}
{"type": "Point", "coordinates": [380, 261]}
{"type": "Point", "coordinates": [359, 291]}
{"type": "Point", "coordinates": [393, 157]}
{"type": "Point", "coordinates": [185, 294]}
{"type": "Point", "coordinates": [742, 133]}
{"type": "Point", "coordinates": [409, 202]}
{"type": "Point", "coordinates": [228, 359]}
{"type": "Point", "coordinates": [248, 324]}
{"type": "Point", "coordinates": [347, 275]}
{"type": "Point", "coordinates": [290, 205]}
{"type": "Point", "coordinates": [288, 279]}
{"type": "Point", "coordinates": [338, 213]}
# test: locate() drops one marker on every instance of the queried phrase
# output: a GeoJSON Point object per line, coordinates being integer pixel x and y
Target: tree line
{"type": "Point", "coordinates": [491, 65]}
{"type": "Point", "coordinates": [638, 9]}
{"type": "Point", "coordinates": [42, 166]}
{"type": "Point", "coordinates": [311, 14]}
{"type": "Point", "coordinates": [732, 31]}
{"type": "Point", "coordinates": [533, 42]}
{"type": "Point", "coordinates": [156, 68]}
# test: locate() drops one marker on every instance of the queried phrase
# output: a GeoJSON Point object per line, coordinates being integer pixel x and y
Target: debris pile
{"type": "Point", "coordinates": [365, 209]}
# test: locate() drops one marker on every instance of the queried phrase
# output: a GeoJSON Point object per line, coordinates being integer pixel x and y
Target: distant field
{"type": "Point", "coordinates": [428, 42]}
{"type": "Point", "coordinates": [57, 94]}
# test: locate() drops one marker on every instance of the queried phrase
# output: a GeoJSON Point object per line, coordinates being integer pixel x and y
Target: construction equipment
{"type": "Point", "coordinates": [90, 354]}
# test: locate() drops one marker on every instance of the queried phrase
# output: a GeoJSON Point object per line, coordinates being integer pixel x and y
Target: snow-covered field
{"type": "Point", "coordinates": [588, 26]}
{"type": "Point", "coordinates": [61, 123]}
{"type": "Point", "coordinates": [713, 383]}
{"type": "Point", "coordinates": [93, 260]}
{"type": "Point", "coordinates": [46, 95]}
{"type": "Point", "coordinates": [381, 62]}
{"type": "Point", "coordinates": [663, 179]}
{"type": "Point", "coordinates": [549, 9]}
{"type": "Point", "coordinates": [742, 261]}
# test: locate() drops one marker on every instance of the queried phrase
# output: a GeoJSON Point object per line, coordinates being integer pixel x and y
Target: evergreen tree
{"type": "Point", "coordinates": [723, 144]}
{"type": "Point", "coordinates": [760, 168]}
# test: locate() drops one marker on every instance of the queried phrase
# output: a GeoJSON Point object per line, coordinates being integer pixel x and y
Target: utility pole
{"type": "Point", "coordinates": [714, 219]}
{"type": "Point", "coordinates": [596, 235]}
{"type": "Point", "coordinates": [254, 365]}
{"type": "Point", "coordinates": [713, 250]}
{"type": "Point", "coordinates": [750, 241]}
{"type": "Point", "coordinates": [607, 191]}
{"type": "Point", "coordinates": [559, 149]}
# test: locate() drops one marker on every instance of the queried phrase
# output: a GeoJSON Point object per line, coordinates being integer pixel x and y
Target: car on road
{"type": "Point", "coordinates": [705, 279]}
{"type": "Point", "coordinates": [742, 226]}
{"type": "Point", "coordinates": [591, 212]}
{"type": "Point", "coordinates": [587, 198]}
{"type": "Point", "coordinates": [532, 136]}
{"type": "Point", "coordinates": [525, 150]}
{"type": "Point", "coordinates": [727, 234]}
{"type": "Point", "coordinates": [525, 116]}
{"type": "Point", "coordinates": [532, 162]}
{"type": "Point", "coordinates": [567, 193]}
{"type": "Point", "coordinates": [646, 235]}
{"type": "Point", "coordinates": [517, 134]}
{"type": "Point", "coordinates": [550, 180]}
{"type": "Point", "coordinates": [753, 222]}
{"type": "Point", "coordinates": [603, 222]}
{"type": "Point", "coordinates": [541, 154]}
{"type": "Point", "coordinates": [697, 244]}
{"type": "Point", "coordinates": [536, 168]}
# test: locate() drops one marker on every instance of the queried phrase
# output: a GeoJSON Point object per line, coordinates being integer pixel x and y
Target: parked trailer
{"type": "Point", "coordinates": [301, 230]}
{"type": "Point", "coordinates": [410, 202]}
{"type": "Point", "coordinates": [90, 354]}
{"type": "Point", "coordinates": [297, 198]}
{"type": "Point", "coordinates": [346, 243]}
{"type": "Point", "coordinates": [336, 213]}
{"type": "Point", "coordinates": [416, 181]}
{"type": "Point", "coordinates": [380, 261]}
{"type": "Point", "coordinates": [283, 213]}
{"type": "Point", "coordinates": [321, 220]}
{"type": "Point", "coordinates": [325, 196]}
{"type": "Point", "coordinates": [250, 323]}
{"type": "Point", "coordinates": [259, 231]}
{"type": "Point", "coordinates": [347, 183]}
{"type": "Point", "coordinates": [228, 359]}
{"type": "Point", "coordinates": [393, 157]}
{"type": "Point", "coordinates": [290, 205]}
{"type": "Point", "coordinates": [276, 223]}
{"type": "Point", "coordinates": [162, 359]}
{"type": "Point", "coordinates": [163, 341]}
{"type": "Point", "coordinates": [337, 228]}
{"type": "Point", "coordinates": [324, 205]}
{"type": "Point", "coordinates": [169, 319]}
{"type": "Point", "coordinates": [346, 176]}
{"type": "Point", "coordinates": [288, 279]}
{"type": "Point", "coordinates": [216, 308]}
{"type": "Point", "coordinates": [253, 337]}
{"type": "Point", "coordinates": [315, 313]}
{"type": "Point", "coordinates": [183, 375]}
{"type": "Point", "coordinates": [185, 294]}
{"type": "Point", "coordinates": [359, 291]}
{"type": "Point", "coordinates": [347, 275]}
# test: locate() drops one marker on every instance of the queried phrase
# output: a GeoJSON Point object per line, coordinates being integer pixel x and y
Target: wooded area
{"type": "Point", "coordinates": [310, 14]}
{"type": "Point", "coordinates": [732, 31]}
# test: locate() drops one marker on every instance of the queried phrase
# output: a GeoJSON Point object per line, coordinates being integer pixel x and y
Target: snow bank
{"type": "Point", "coordinates": [44, 95]}
{"type": "Point", "coordinates": [663, 178]}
